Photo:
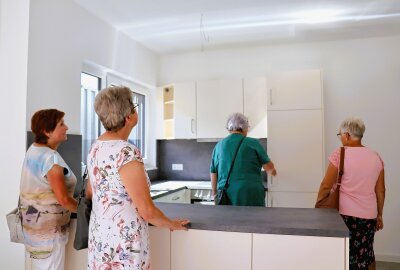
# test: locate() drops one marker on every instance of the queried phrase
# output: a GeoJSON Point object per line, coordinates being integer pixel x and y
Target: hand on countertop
{"type": "Point", "coordinates": [179, 224]}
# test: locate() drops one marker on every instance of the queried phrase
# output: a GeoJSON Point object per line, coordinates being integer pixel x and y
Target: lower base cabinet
{"type": "Point", "coordinates": [160, 248]}
{"type": "Point", "coordinates": [287, 252]}
{"type": "Point", "coordinates": [216, 250]}
{"type": "Point", "coordinates": [212, 250]}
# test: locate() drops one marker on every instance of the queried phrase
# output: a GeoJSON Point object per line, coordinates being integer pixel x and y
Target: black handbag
{"type": "Point", "coordinates": [222, 197]}
{"type": "Point", "coordinates": [83, 217]}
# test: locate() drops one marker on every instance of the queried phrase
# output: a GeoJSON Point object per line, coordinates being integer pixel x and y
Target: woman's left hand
{"type": "Point", "coordinates": [379, 223]}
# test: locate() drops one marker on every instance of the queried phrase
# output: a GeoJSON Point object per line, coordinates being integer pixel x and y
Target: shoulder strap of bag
{"type": "Point", "coordinates": [341, 165]}
{"type": "Point", "coordinates": [233, 162]}
{"type": "Point", "coordinates": [84, 182]}
{"type": "Point", "coordinates": [19, 204]}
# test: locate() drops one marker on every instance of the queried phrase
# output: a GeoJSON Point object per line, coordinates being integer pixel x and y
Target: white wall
{"type": "Point", "coordinates": [361, 78]}
{"type": "Point", "coordinates": [43, 45]}
{"type": "Point", "coordinates": [63, 35]}
{"type": "Point", "coordinates": [14, 27]}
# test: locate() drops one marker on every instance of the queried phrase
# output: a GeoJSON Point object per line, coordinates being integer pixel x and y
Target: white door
{"type": "Point", "coordinates": [160, 247]}
{"type": "Point", "coordinates": [294, 90]}
{"type": "Point", "coordinates": [255, 106]}
{"type": "Point", "coordinates": [288, 252]}
{"type": "Point", "coordinates": [211, 250]}
{"type": "Point", "coordinates": [185, 110]}
{"type": "Point", "coordinates": [216, 100]}
{"type": "Point", "coordinates": [295, 145]}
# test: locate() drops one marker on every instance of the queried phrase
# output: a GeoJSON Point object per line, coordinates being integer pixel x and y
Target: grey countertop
{"type": "Point", "coordinates": [263, 220]}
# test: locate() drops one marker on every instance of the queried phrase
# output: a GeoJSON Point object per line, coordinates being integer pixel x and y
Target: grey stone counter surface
{"type": "Point", "coordinates": [262, 220]}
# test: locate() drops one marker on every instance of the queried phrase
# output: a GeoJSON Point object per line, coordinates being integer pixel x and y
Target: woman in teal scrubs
{"type": "Point", "coordinates": [245, 185]}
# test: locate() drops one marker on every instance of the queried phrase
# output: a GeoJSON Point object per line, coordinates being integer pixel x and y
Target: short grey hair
{"type": "Point", "coordinates": [237, 122]}
{"type": "Point", "coordinates": [112, 105]}
{"type": "Point", "coordinates": [354, 126]}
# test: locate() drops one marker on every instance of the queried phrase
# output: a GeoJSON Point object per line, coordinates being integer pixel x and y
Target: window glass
{"type": "Point", "coordinates": [137, 136]}
{"type": "Point", "coordinates": [90, 86]}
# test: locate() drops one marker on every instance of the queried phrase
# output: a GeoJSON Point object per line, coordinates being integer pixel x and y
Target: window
{"type": "Point", "coordinates": [137, 136]}
{"type": "Point", "coordinates": [90, 127]}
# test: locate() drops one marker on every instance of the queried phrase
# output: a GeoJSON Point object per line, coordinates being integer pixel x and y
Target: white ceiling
{"type": "Point", "coordinates": [172, 26]}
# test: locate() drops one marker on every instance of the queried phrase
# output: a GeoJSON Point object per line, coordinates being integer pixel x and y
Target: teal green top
{"type": "Point", "coordinates": [245, 185]}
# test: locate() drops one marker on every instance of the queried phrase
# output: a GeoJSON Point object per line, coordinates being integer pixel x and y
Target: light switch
{"type": "Point", "coordinates": [177, 167]}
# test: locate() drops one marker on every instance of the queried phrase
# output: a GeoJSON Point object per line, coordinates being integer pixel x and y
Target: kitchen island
{"type": "Point", "coordinates": [244, 238]}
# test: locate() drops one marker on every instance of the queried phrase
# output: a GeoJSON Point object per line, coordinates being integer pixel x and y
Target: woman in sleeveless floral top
{"type": "Point", "coordinates": [119, 186]}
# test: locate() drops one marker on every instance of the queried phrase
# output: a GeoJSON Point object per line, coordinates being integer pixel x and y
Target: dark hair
{"type": "Point", "coordinates": [45, 121]}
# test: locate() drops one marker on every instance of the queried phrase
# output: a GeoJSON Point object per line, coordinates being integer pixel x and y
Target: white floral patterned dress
{"type": "Point", "coordinates": [118, 236]}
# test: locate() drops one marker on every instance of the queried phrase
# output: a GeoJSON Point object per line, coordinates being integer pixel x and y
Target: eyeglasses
{"type": "Point", "coordinates": [134, 106]}
{"type": "Point", "coordinates": [340, 134]}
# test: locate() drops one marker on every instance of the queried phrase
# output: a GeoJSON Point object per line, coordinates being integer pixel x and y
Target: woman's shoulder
{"type": "Point", "coordinates": [41, 152]}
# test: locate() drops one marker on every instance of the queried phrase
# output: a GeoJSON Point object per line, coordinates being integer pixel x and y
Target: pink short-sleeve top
{"type": "Point", "coordinates": [362, 167]}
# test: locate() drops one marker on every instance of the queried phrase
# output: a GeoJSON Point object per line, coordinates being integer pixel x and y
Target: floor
{"type": "Point", "coordinates": [387, 266]}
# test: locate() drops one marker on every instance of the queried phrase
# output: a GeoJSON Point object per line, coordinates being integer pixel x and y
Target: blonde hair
{"type": "Point", "coordinates": [112, 105]}
{"type": "Point", "coordinates": [354, 126]}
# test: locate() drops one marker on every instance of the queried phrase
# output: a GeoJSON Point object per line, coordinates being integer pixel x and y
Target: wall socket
{"type": "Point", "coordinates": [177, 167]}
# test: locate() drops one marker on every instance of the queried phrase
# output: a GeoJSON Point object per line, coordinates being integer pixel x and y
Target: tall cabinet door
{"type": "Point", "coordinates": [185, 110]}
{"type": "Point", "coordinates": [216, 100]}
{"type": "Point", "coordinates": [294, 90]}
{"type": "Point", "coordinates": [255, 105]}
{"type": "Point", "coordinates": [295, 144]}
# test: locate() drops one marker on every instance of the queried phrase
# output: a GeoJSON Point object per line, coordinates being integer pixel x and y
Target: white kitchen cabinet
{"type": "Point", "coordinates": [185, 110]}
{"type": "Point", "coordinates": [160, 248]}
{"type": "Point", "coordinates": [180, 196]}
{"type": "Point", "coordinates": [287, 252]}
{"type": "Point", "coordinates": [216, 100]}
{"type": "Point", "coordinates": [294, 90]}
{"type": "Point", "coordinates": [255, 105]}
{"type": "Point", "coordinates": [295, 145]}
{"type": "Point", "coordinates": [212, 250]}
{"type": "Point", "coordinates": [176, 106]}
{"type": "Point", "coordinates": [291, 199]}
{"type": "Point", "coordinates": [74, 259]}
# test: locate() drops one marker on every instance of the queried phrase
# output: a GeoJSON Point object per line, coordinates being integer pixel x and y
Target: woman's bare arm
{"type": "Point", "coordinates": [327, 182]}
{"type": "Point", "coordinates": [134, 179]}
{"type": "Point", "coordinates": [214, 179]}
{"type": "Point", "coordinates": [270, 168]}
{"type": "Point", "coordinates": [380, 191]}
{"type": "Point", "coordinates": [56, 179]}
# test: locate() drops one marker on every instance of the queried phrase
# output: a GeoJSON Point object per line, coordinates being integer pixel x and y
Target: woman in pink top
{"type": "Point", "coordinates": [362, 192]}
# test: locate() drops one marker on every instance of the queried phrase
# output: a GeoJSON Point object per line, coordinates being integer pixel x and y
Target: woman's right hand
{"type": "Point", "coordinates": [379, 223]}
{"type": "Point", "coordinates": [179, 224]}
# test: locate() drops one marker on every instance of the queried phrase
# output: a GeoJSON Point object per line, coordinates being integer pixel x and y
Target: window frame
{"type": "Point", "coordinates": [139, 88]}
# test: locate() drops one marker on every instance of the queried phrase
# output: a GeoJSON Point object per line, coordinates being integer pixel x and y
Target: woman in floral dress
{"type": "Point", "coordinates": [122, 206]}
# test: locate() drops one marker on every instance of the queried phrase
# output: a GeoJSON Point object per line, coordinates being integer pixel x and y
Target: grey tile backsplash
{"type": "Point", "coordinates": [194, 156]}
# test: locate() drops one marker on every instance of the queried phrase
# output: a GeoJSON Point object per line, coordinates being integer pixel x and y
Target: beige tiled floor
{"type": "Point", "coordinates": [387, 266]}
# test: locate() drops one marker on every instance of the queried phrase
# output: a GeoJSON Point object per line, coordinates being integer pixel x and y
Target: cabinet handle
{"type": "Point", "coordinates": [191, 125]}
{"type": "Point", "coordinates": [270, 96]}
{"type": "Point", "coordinates": [176, 198]}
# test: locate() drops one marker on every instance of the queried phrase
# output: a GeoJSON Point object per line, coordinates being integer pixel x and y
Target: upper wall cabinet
{"type": "Point", "coordinates": [216, 100]}
{"type": "Point", "coordinates": [294, 90]}
{"type": "Point", "coordinates": [177, 108]}
{"type": "Point", "coordinates": [255, 105]}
